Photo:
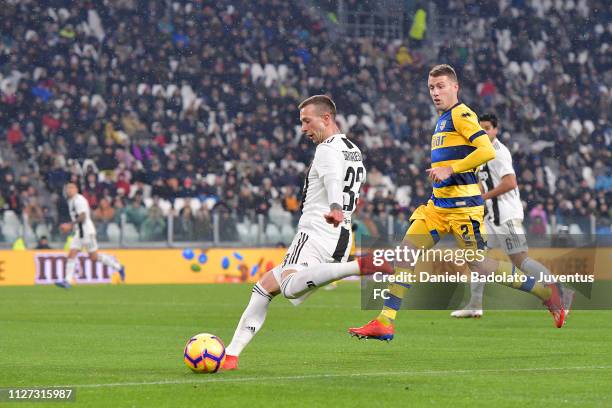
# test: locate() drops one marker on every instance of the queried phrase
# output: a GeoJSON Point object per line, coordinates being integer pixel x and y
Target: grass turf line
{"type": "Point", "coordinates": [96, 335]}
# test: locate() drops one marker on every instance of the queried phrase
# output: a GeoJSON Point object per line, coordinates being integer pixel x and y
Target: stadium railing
{"type": "Point", "coordinates": [222, 229]}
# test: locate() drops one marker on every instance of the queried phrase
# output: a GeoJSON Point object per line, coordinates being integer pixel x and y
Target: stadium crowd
{"type": "Point", "coordinates": [143, 103]}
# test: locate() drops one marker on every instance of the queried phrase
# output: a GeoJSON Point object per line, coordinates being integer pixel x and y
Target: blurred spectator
{"type": "Point", "coordinates": [102, 216]}
{"type": "Point", "coordinates": [43, 243]}
{"type": "Point", "coordinates": [34, 213]}
{"type": "Point", "coordinates": [291, 203]}
{"type": "Point", "coordinates": [151, 100]}
{"type": "Point", "coordinates": [203, 225]}
{"type": "Point", "coordinates": [136, 211]}
{"type": "Point", "coordinates": [153, 227]}
{"type": "Point", "coordinates": [537, 227]}
{"type": "Point", "coordinates": [184, 225]}
{"type": "Point", "coordinates": [228, 232]}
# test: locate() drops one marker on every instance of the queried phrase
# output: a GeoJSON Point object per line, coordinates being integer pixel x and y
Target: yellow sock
{"type": "Point", "coordinates": [417, 236]}
{"type": "Point", "coordinates": [527, 284]}
{"type": "Point", "coordinates": [393, 303]}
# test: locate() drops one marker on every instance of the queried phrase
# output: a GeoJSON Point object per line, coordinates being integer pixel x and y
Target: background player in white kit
{"type": "Point", "coordinates": [84, 236]}
{"type": "Point", "coordinates": [317, 256]}
{"type": "Point", "coordinates": [503, 218]}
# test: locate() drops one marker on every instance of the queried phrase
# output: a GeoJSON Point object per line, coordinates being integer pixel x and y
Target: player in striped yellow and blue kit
{"type": "Point", "coordinates": [458, 147]}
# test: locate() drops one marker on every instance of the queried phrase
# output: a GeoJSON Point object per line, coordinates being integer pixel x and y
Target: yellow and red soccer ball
{"type": "Point", "coordinates": [204, 353]}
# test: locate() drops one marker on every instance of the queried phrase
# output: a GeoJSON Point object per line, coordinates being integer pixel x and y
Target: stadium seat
{"type": "Point", "coordinates": [367, 108]}
{"type": "Point", "coordinates": [195, 205]}
{"type": "Point", "coordinates": [257, 72]}
{"type": "Point", "coordinates": [42, 230]}
{"type": "Point", "coordinates": [253, 233]}
{"type": "Point", "coordinates": [342, 122]}
{"type": "Point", "coordinates": [352, 120]}
{"type": "Point", "coordinates": [271, 75]}
{"type": "Point", "coordinates": [574, 229]}
{"type": "Point", "coordinates": [368, 122]}
{"type": "Point", "coordinates": [179, 203]}
{"type": "Point", "coordinates": [210, 202]}
{"type": "Point", "coordinates": [278, 215]}
{"type": "Point", "coordinates": [10, 226]}
{"type": "Point", "coordinates": [403, 195]}
{"type": "Point", "coordinates": [165, 206]}
{"type": "Point", "coordinates": [10, 217]}
{"type": "Point", "coordinates": [113, 232]}
{"type": "Point", "coordinates": [287, 233]}
{"type": "Point", "coordinates": [273, 234]}
{"type": "Point", "coordinates": [130, 233]}
{"type": "Point", "coordinates": [243, 232]}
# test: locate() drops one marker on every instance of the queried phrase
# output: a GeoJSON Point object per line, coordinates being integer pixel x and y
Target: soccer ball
{"type": "Point", "coordinates": [204, 353]}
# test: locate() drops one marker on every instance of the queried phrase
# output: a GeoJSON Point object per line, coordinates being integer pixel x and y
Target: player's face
{"type": "Point", "coordinates": [314, 123]}
{"type": "Point", "coordinates": [71, 190]}
{"type": "Point", "coordinates": [489, 128]}
{"type": "Point", "coordinates": [443, 91]}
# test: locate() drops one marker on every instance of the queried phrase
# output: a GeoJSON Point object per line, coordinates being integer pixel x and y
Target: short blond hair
{"type": "Point", "coordinates": [323, 103]}
{"type": "Point", "coordinates": [444, 70]}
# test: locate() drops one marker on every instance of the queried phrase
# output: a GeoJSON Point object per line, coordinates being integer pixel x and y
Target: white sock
{"type": "Point", "coordinates": [251, 321]}
{"type": "Point", "coordinates": [476, 292]}
{"type": "Point", "coordinates": [534, 268]}
{"type": "Point", "coordinates": [109, 261]}
{"type": "Point", "coordinates": [70, 268]}
{"type": "Point", "coordinates": [312, 277]}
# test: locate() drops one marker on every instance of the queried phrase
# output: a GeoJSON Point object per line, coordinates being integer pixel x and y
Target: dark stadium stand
{"type": "Point", "coordinates": [182, 115]}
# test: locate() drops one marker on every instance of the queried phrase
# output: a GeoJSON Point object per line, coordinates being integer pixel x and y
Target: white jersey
{"type": "Point", "coordinates": [336, 155]}
{"type": "Point", "coordinates": [507, 206]}
{"type": "Point", "coordinates": [79, 205]}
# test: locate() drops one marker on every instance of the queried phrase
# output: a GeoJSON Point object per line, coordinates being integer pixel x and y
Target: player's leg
{"type": "Point", "coordinates": [470, 233]}
{"type": "Point", "coordinates": [107, 260]}
{"type": "Point", "coordinates": [75, 246]}
{"type": "Point", "coordinates": [254, 314]}
{"type": "Point", "coordinates": [300, 278]}
{"type": "Point", "coordinates": [474, 308]}
{"type": "Point", "coordinates": [517, 249]}
{"type": "Point", "coordinates": [419, 235]}
{"type": "Point", "coordinates": [297, 281]}
{"type": "Point", "coordinates": [252, 318]}
{"type": "Point", "coordinates": [515, 246]}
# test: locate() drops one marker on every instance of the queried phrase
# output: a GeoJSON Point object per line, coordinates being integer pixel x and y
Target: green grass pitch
{"type": "Point", "coordinates": [122, 346]}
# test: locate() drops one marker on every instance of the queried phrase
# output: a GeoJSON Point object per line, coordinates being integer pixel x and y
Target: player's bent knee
{"type": "Point", "coordinates": [269, 283]}
{"type": "Point", "coordinates": [285, 275]}
{"type": "Point", "coordinates": [518, 258]}
{"type": "Point", "coordinates": [287, 272]}
{"type": "Point", "coordinates": [285, 287]}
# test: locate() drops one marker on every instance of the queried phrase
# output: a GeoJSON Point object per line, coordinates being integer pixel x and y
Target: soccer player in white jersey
{"type": "Point", "coordinates": [318, 254]}
{"type": "Point", "coordinates": [84, 236]}
{"type": "Point", "coordinates": [503, 219]}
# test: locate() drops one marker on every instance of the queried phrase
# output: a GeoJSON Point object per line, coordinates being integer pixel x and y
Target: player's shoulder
{"type": "Point", "coordinates": [80, 198]}
{"type": "Point", "coordinates": [338, 142]}
{"type": "Point", "coordinates": [501, 147]}
{"type": "Point", "coordinates": [463, 112]}
{"type": "Point", "coordinates": [502, 153]}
